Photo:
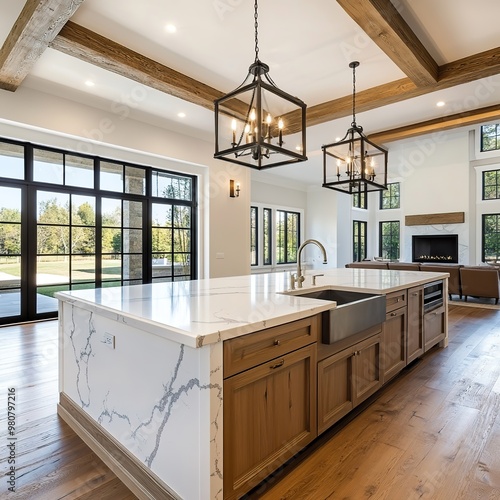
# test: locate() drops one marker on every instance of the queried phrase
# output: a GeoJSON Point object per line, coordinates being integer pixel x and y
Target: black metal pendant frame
{"type": "Point", "coordinates": [264, 150]}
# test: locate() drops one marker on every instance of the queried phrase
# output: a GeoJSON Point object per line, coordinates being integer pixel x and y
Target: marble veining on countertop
{"type": "Point", "coordinates": [200, 312]}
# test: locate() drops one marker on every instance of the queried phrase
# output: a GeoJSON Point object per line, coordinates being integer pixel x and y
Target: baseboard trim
{"type": "Point", "coordinates": [135, 475]}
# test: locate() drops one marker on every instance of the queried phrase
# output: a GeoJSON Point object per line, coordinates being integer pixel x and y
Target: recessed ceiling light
{"type": "Point", "coordinates": [90, 83]}
{"type": "Point", "coordinates": [181, 114]}
{"type": "Point", "coordinates": [170, 28]}
{"type": "Point", "coordinates": [337, 139]}
{"type": "Point", "coordinates": [440, 104]}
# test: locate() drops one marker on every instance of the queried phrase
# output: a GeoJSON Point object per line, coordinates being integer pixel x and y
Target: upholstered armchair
{"type": "Point", "coordinates": [480, 282]}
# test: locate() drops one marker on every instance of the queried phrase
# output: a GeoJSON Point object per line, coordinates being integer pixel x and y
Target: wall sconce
{"type": "Point", "coordinates": [234, 189]}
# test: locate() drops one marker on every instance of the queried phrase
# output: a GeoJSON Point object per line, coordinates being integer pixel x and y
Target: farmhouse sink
{"type": "Point", "coordinates": [354, 313]}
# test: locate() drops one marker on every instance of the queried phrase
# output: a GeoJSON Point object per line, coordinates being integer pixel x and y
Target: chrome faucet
{"type": "Point", "coordinates": [299, 277]}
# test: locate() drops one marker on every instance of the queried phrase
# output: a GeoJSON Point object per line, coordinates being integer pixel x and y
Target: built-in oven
{"type": "Point", "coordinates": [433, 295]}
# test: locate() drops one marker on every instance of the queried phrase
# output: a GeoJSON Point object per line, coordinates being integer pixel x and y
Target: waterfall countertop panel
{"type": "Point", "coordinates": [201, 312]}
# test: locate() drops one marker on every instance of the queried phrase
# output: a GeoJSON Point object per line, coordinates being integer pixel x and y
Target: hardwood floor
{"type": "Point", "coordinates": [433, 433]}
{"type": "Point", "coordinates": [51, 461]}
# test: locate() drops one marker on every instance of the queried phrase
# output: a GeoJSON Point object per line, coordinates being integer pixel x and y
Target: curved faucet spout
{"type": "Point", "coordinates": [300, 278]}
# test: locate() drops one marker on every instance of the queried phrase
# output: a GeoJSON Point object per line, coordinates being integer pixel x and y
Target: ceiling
{"type": "Point", "coordinates": [413, 53]}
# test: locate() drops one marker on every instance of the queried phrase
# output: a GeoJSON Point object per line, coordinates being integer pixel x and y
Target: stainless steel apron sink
{"type": "Point", "coordinates": [354, 313]}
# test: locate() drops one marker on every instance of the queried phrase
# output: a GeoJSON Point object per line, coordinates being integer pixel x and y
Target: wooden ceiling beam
{"type": "Point", "coordinates": [466, 70]}
{"type": "Point", "coordinates": [100, 51]}
{"type": "Point", "coordinates": [463, 119]}
{"type": "Point", "coordinates": [381, 21]}
{"type": "Point", "coordinates": [37, 25]}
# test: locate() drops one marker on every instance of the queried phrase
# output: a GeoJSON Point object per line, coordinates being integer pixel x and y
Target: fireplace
{"type": "Point", "coordinates": [435, 248]}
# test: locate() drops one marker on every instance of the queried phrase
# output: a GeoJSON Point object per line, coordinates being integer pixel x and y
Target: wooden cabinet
{"type": "Point", "coordinates": [269, 408]}
{"type": "Point", "coordinates": [434, 327]}
{"type": "Point", "coordinates": [415, 324]}
{"type": "Point", "coordinates": [395, 300]}
{"type": "Point", "coordinates": [347, 378]}
{"type": "Point", "coordinates": [393, 350]}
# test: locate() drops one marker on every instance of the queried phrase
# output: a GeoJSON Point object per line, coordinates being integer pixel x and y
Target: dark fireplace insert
{"type": "Point", "coordinates": [435, 248]}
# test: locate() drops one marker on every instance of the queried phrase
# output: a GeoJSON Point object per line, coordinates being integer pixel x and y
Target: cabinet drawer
{"type": "Point", "coordinates": [434, 327]}
{"type": "Point", "coordinates": [395, 300]}
{"type": "Point", "coordinates": [250, 350]}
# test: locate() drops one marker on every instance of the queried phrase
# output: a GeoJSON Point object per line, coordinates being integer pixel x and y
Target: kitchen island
{"type": "Point", "coordinates": [143, 369]}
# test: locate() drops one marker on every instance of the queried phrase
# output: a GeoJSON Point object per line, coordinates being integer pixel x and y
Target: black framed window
{"type": "Point", "coordinates": [491, 185]}
{"type": "Point", "coordinates": [254, 236]}
{"type": "Point", "coordinates": [287, 236]}
{"type": "Point", "coordinates": [359, 240]}
{"type": "Point", "coordinates": [360, 200]}
{"type": "Point", "coordinates": [389, 240]}
{"type": "Point", "coordinates": [172, 228]}
{"type": "Point", "coordinates": [490, 137]}
{"type": "Point", "coordinates": [267, 232]}
{"type": "Point", "coordinates": [490, 244]}
{"type": "Point", "coordinates": [390, 197]}
{"type": "Point", "coordinates": [90, 222]}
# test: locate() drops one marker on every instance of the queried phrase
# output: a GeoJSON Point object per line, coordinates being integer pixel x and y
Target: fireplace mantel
{"type": "Point", "coordinates": [428, 219]}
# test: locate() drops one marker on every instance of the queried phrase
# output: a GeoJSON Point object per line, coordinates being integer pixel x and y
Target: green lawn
{"type": "Point", "coordinates": [59, 267]}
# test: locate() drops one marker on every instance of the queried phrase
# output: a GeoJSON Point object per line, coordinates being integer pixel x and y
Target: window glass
{"type": "Point", "coordinates": [82, 210]}
{"type": "Point", "coordinates": [491, 185]}
{"type": "Point", "coordinates": [52, 208]}
{"type": "Point", "coordinates": [267, 236]}
{"type": "Point", "coordinates": [135, 180]}
{"type": "Point", "coordinates": [287, 236]}
{"type": "Point", "coordinates": [11, 161]}
{"type": "Point", "coordinates": [166, 185]}
{"type": "Point", "coordinates": [389, 240]}
{"type": "Point", "coordinates": [79, 171]}
{"type": "Point", "coordinates": [111, 176]}
{"type": "Point", "coordinates": [490, 137]}
{"type": "Point", "coordinates": [111, 212]}
{"type": "Point", "coordinates": [360, 199]}
{"type": "Point", "coordinates": [389, 198]}
{"type": "Point", "coordinates": [132, 214]}
{"type": "Point", "coordinates": [254, 259]}
{"type": "Point", "coordinates": [359, 240]}
{"type": "Point", "coordinates": [48, 166]}
{"type": "Point", "coordinates": [491, 238]}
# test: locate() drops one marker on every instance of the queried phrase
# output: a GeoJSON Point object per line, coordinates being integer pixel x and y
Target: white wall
{"type": "Point", "coordinates": [33, 116]}
{"type": "Point", "coordinates": [273, 192]}
{"type": "Point", "coordinates": [434, 173]}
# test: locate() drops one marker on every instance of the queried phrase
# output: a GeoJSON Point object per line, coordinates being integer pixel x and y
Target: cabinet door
{"type": "Point", "coordinates": [415, 324]}
{"type": "Point", "coordinates": [269, 415]}
{"type": "Point", "coordinates": [434, 327]}
{"type": "Point", "coordinates": [393, 352]}
{"type": "Point", "coordinates": [366, 373]}
{"type": "Point", "coordinates": [335, 394]}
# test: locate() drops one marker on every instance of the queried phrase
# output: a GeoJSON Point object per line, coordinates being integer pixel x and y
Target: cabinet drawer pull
{"type": "Point", "coordinates": [394, 314]}
{"type": "Point", "coordinates": [277, 342]}
{"type": "Point", "coordinates": [414, 294]}
{"type": "Point", "coordinates": [277, 365]}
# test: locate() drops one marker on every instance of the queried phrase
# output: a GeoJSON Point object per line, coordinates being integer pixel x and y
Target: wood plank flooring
{"type": "Point", "coordinates": [433, 433]}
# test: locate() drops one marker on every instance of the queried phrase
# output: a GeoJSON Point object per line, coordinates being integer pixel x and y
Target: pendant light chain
{"type": "Point", "coordinates": [256, 25]}
{"type": "Point", "coordinates": [353, 124]}
{"type": "Point", "coordinates": [252, 130]}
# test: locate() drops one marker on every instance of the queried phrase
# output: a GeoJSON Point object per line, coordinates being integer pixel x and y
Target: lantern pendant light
{"type": "Point", "coordinates": [258, 125]}
{"type": "Point", "coordinates": [354, 164]}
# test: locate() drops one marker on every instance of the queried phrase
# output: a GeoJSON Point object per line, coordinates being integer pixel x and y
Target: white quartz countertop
{"type": "Point", "coordinates": [200, 312]}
